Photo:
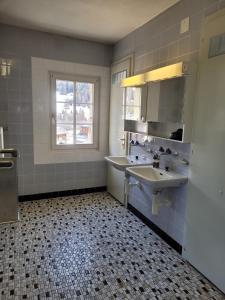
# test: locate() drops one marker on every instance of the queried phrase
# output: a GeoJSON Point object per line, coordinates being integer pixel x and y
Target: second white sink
{"type": "Point", "coordinates": [157, 178]}
{"type": "Point", "coordinates": [123, 162]}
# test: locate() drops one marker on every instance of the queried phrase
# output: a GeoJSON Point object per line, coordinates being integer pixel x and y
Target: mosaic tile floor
{"type": "Point", "coordinates": [90, 247]}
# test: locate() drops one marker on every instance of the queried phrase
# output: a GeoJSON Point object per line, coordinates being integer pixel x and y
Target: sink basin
{"type": "Point", "coordinates": [123, 162]}
{"type": "Point", "coordinates": [157, 178]}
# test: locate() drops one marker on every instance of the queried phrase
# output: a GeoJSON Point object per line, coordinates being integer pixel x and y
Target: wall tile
{"type": "Point", "coordinates": [222, 4]}
{"type": "Point", "coordinates": [184, 45]}
{"type": "Point", "coordinates": [19, 45]}
{"type": "Point", "coordinates": [164, 31]}
{"type": "Point", "coordinates": [212, 8]}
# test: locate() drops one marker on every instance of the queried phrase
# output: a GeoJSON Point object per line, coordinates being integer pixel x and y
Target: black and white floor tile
{"type": "Point", "coordinates": [90, 247]}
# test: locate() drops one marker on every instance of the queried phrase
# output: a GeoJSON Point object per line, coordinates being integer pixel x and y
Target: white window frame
{"type": "Point", "coordinates": [82, 78]}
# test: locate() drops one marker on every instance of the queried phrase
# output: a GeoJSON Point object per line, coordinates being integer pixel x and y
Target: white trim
{"type": "Point", "coordinates": [43, 152]}
{"type": "Point", "coordinates": [130, 59]}
{"type": "Point", "coordinates": [123, 64]}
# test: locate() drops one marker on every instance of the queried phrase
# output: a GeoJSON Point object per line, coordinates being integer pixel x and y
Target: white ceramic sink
{"type": "Point", "coordinates": [157, 178]}
{"type": "Point", "coordinates": [123, 162]}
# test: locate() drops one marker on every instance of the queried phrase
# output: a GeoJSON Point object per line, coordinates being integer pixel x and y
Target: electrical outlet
{"type": "Point", "coordinates": [184, 25]}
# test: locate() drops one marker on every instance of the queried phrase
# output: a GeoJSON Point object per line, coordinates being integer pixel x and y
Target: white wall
{"type": "Point", "coordinates": [204, 243]}
{"type": "Point", "coordinates": [16, 107]}
{"type": "Point", "coordinates": [43, 152]}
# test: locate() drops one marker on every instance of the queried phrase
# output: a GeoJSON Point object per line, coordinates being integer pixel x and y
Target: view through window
{"type": "Point", "coordinates": [133, 103]}
{"type": "Point", "coordinates": [74, 112]}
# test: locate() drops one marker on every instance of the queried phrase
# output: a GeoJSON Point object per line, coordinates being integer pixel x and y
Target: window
{"type": "Point", "coordinates": [74, 111]}
{"type": "Point", "coordinates": [132, 103]}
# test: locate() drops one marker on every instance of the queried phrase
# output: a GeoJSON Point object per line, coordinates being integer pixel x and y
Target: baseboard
{"type": "Point", "coordinates": [61, 193]}
{"type": "Point", "coordinates": [170, 241]}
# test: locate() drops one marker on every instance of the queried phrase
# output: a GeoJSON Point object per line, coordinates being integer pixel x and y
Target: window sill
{"type": "Point", "coordinates": [75, 147]}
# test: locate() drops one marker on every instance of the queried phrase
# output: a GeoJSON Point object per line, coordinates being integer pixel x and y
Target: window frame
{"type": "Point", "coordinates": [82, 78]}
{"type": "Point", "coordinates": [125, 105]}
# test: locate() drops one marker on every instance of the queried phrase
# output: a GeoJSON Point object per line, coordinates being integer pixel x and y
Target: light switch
{"type": "Point", "coordinates": [184, 25]}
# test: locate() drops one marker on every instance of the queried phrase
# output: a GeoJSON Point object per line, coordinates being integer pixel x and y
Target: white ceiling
{"type": "Point", "coordinates": [100, 20]}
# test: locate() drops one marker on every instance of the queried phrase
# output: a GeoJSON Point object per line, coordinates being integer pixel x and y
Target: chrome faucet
{"type": "Point", "coordinates": [157, 154]}
{"type": "Point", "coordinates": [160, 152]}
{"type": "Point", "coordinates": [163, 152]}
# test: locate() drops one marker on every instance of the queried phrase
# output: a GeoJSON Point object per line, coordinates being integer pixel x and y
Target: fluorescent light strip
{"type": "Point", "coordinates": [167, 72]}
{"type": "Point", "coordinates": [171, 71]}
{"type": "Point", "coordinates": [136, 80]}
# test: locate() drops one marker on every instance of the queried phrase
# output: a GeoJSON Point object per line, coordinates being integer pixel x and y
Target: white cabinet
{"type": "Point", "coordinates": [170, 105]}
{"type": "Point", "coordinates": [162, 98]}
{"type": "Point", "coordinates": [115, 183]}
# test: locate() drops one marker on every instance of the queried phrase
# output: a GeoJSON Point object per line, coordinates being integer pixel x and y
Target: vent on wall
{"type": "Point", "coordinates": [217, 45]}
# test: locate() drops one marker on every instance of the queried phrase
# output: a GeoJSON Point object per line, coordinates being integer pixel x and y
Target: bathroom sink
{"type": "Point", "coordinates": [123, 162]}
{"type": "Point", "coordinates": [156, 178]}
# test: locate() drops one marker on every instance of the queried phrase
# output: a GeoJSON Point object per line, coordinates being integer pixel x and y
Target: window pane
{"type": "Point", "coordinates": [84, 134]}
{"type": "Point", "coordinates": [117, 77]}
{"type": "Point", "coordinates": [74, 112]}
{"type": "Point", "coordinates": [84, 113]}
{"type": "Point", "coordinates": [84, 92]}
{"type": "Point", "coordinates": [133, 96]}
{"type": "Point", "coordinates": [133, 113]}
{"type": "Point", "coordinates": [64, 112]}
{"type": "Point", "coordinates": [64, 134]}
{"type": "Point", "coordinates": [64, 90]}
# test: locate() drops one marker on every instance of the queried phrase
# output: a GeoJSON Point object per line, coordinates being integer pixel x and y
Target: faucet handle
{"type": "Point", "coordinates": [168, 151]}
{"type": "Point", "coordinates": [155, 156]}
{"type": "Point", "coordinates": [185, 161]}
{"type": "Point", "coordinates": [175, 153]}
{"type": "Point", "coordinates": [155, 164]}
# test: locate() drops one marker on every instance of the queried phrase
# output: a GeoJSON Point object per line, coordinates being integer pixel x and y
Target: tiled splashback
{"type": "Point", "coordinates": [175, 161]}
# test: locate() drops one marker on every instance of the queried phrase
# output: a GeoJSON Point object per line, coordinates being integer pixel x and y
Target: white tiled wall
{"type": "Point", "coordinates": [158, 43]}
{"type": "Point", "coordinates": [16, 107]}
{"type": "Point", "coordinates": [43, 152]}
